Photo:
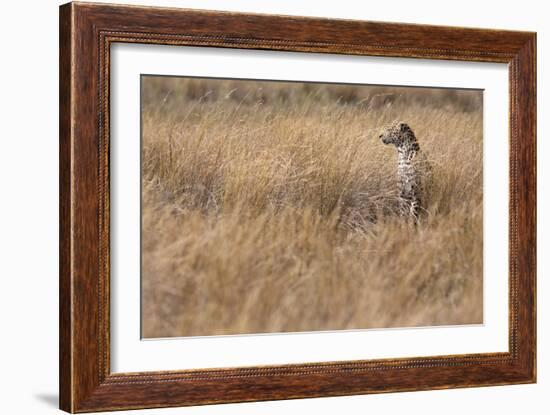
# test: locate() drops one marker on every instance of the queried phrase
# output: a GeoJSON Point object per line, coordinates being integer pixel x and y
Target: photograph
{"type": "Point", "coordinates": [262, 203]}
{"type": "Point", "coordinates": [273, 206]}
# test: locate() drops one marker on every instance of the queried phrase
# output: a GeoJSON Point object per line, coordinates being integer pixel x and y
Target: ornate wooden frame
{"type": "Point", "coordinates": [86, 33]}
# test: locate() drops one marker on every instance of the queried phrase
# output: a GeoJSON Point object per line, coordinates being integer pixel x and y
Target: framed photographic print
{"type": "Point", "coordinates": [258, 207]}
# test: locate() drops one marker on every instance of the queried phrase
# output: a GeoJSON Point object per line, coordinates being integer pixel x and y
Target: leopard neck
{"type": "Point", "coordinates": [407, 152]}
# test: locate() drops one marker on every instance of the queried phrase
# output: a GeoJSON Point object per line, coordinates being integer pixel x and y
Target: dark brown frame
{"type": "Point", "coordinates": [86, 33]}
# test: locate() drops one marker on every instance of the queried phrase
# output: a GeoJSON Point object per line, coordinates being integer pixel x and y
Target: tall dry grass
{"type": "Point", "coordinates": [270, 207]}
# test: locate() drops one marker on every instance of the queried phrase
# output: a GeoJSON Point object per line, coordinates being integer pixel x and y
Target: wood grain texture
{"type": "Point", "coordinates": [86, 33]}
{"type": "Point", "coordinates": [65, 246]}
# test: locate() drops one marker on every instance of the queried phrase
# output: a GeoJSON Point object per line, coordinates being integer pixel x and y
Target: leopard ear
{"type": "Point", "coordinates": [403, 126]}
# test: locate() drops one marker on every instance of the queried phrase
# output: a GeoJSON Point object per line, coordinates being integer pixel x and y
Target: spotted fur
{"type": "Point", "coordinates": [412, 167]}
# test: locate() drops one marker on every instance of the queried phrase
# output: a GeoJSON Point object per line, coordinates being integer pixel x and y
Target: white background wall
{"type": "Point", "coordinates": [29, 207]}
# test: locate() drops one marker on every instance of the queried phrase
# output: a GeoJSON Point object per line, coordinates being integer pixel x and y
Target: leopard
{"type": "Point", "coordinates": [413, 169]}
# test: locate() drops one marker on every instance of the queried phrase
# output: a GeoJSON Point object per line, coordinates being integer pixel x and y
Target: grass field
{"type": "Point", "coordinates": [270, 207]}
